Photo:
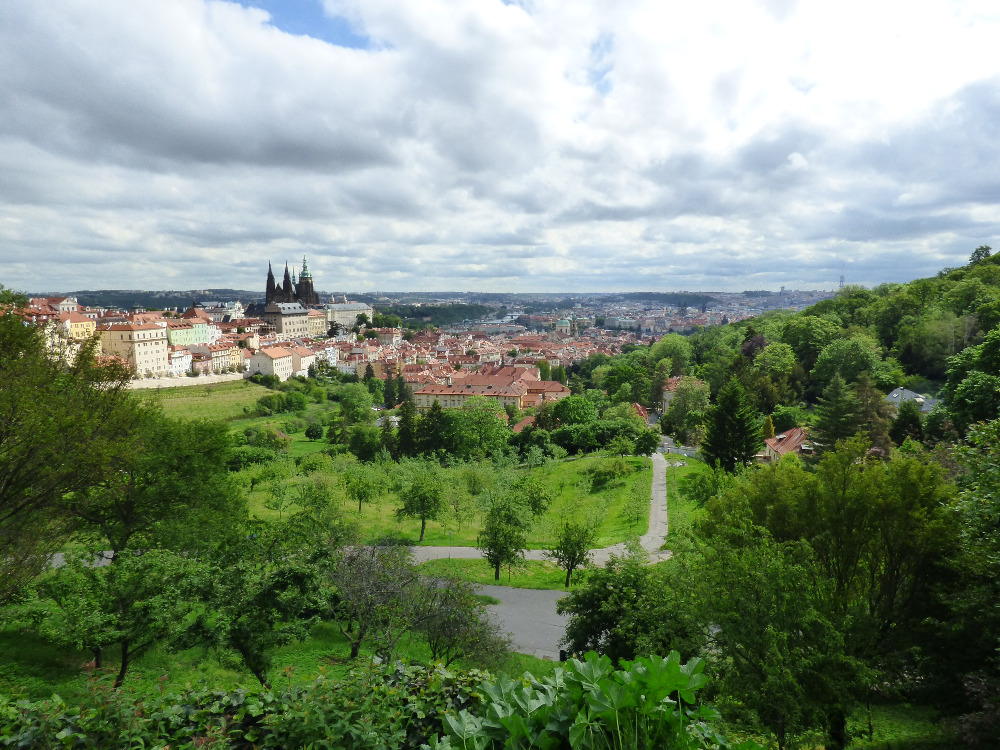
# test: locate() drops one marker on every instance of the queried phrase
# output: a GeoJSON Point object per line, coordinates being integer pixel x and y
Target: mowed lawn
{"type": "Point", "coordinates": [222, 401]}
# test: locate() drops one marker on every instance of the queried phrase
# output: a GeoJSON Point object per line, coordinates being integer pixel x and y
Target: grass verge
{"type": "Point", "coordinates": [534, 574]}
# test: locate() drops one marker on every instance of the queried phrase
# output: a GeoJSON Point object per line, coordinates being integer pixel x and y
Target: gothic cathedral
{"type": "Point", "coordinates": [300, 291]}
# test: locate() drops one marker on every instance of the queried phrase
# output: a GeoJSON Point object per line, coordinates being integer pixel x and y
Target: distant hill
{"type": "Point", "coordinates": [133, 298]}
{"type": "Point", "coordinates": [677, 299]}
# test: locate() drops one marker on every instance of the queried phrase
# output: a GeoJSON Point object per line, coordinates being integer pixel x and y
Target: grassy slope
{"type": "Point", "coordinates": [31, 668]}
{"type": "Point", "coordinates": [223, 401]}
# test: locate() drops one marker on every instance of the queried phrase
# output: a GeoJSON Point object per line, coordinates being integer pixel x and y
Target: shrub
{"type": "Point", "coordinates": [649, 703]}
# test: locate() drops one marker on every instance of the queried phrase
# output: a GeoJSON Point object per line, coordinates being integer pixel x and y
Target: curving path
{"type": "Point", "coordinates": [529, 615]}
{"type": "Point", "coordinates": [651, 541]}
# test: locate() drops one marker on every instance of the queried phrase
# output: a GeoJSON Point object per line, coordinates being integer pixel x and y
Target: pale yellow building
{"type": "Point", "coordinates": [142, 345]}
{"type": "Point", "coordinates": [317, 323]}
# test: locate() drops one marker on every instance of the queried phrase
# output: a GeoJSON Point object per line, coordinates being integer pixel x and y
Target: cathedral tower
{"type": "Point", "coordinates": [304, 291]}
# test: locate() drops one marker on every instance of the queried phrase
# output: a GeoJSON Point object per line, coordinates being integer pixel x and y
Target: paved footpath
{"type": "Point", "coordinates": [530, 615]}
{"type": "Point", "coordinates": [651, 541]}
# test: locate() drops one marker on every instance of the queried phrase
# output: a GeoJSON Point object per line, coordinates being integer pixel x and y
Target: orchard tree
{"type": "Point", "coordinates": [621, 446]}
{"type": "Point", "coordinates": [264, 590]}
{"type": "Point", "coordinates": [376, 593]}
{"type": "Point", "coordinates": [364, 483]}
{"type": "Point", "coordinates": [646, 443]}
{"type": "Point", "coordinates": [422, 496]}
{"type": "Point", "coordinates": [456, 625]}
{"type": "Point", "coordinates": [572, 547]}
{"type": "Point", "coordinates": [504, 535]}
{"type": "Point", "coordinates": [141, 600]}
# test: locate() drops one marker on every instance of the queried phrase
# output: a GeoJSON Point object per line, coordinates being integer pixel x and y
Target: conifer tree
{"type": "Point", "coordinates": [431, 435]}
{"type": "Point", "coordinates": [874, 414]}
{"type": "Point", "coordinates": [907, 423]}
{"type": "Point", "coordinates": [403, 390]}
{"type": "Point", "coordinates": [733, 430]}
{"type": "Point", "coordinates": [837, 414]}
{"type": "Point", "coordinates": [768, 431]}
{"type": "Point", "coordinates": [406, 436]}
{"type": "Point", "coordinates": [389, 397]}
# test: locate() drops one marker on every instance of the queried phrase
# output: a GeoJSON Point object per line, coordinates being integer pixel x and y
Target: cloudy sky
{"type": "Point", "coordinates": [537, 145]}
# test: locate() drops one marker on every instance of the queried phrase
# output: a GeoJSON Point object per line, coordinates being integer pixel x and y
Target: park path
{"type": "Point", "coordinates": [651, 541]}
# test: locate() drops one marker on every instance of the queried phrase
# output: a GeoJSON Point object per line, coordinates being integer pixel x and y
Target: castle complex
{"type": "Point", "coordinates": [300, 291]}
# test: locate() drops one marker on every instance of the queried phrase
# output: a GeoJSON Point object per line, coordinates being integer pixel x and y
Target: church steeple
{"type": "Point", "coordinates": [271, 287]}
{"type": "Point", "coordinates": [287, 290]}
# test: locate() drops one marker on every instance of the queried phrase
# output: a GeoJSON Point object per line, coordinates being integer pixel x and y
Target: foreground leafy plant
{"type": "Point", "coordinates": [649, 703]}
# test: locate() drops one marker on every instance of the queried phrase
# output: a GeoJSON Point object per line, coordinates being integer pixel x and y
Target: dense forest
{"type": "Point", "coordinates": [807, 593]}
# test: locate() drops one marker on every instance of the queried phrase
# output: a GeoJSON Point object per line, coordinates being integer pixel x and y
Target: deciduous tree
{"type": "Point", "coordinates": [572, 547]}
{"type": "Point", "coordinates": [422, 496]}
{"type": "Point", "coordinates": [63, 420]}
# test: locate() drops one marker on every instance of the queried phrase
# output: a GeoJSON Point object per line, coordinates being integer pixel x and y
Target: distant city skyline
{"type": "Point", "coordinates": [496, 145]}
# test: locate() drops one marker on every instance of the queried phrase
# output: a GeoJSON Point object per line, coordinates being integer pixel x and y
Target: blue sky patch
{"type": "Point", "coordinates": [307, 18]}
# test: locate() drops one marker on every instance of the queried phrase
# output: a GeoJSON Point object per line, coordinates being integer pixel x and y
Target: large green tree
{"type": "Point", "coordinates": [732, 429]}
{"type": "Point", "coordinates": [139, 601]}
{"type": "Point", "coordinates": [683, 418]}
{"type": "Point", "coordinates": [263, 589]}
{"type": "Point", "coordinates": [171, 488]}
{"type": "Point", "coordinates": [63, 420]}
{"type": "Point", "coordinates": [837, 414]}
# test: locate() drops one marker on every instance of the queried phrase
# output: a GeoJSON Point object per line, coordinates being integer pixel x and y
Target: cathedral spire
{"type": "Point", "coordinates": [271, 286]}
{"type": "Point", "coordinates": [287, 290]}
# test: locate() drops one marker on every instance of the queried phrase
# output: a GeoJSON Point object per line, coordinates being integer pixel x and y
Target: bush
{"type": "Point", "coordinates": [649, 703]}
{"type": "Point", "coordinates": [609, 470]}
{"type": "Point", "coordinates": [248, 455]}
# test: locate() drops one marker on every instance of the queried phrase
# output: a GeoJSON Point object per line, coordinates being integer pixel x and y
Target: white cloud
{"type": "Point", "coordinates": [484, 145]}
